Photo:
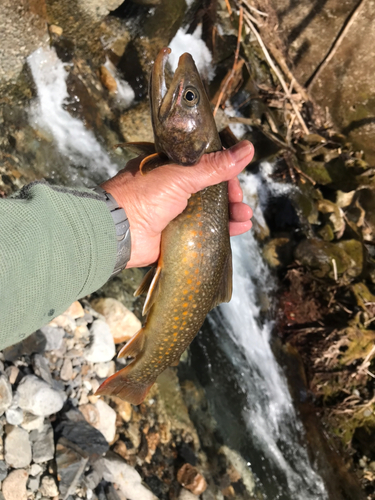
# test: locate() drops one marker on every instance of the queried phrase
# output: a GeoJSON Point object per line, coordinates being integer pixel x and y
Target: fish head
{"type": "Point", "coordinates": [182, 119]}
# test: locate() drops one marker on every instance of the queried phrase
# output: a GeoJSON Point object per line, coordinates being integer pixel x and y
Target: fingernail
{"type": "Point", "coordinates": [241, 150]}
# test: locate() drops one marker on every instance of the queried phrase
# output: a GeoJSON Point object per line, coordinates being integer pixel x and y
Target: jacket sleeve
{"type": "Point", "coordinates": [56, 245]}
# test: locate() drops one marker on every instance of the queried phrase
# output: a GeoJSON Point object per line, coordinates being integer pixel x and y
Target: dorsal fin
{"type": "Point", "coordinates": [224, 291]}
{"type": "Point", "coordinates": [134, 346]}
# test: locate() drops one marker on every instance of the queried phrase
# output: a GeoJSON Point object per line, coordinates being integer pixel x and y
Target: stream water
{"type": "Point", "coordinates": [260, 412]}
{"type": "Point", "coordinates": [244, 384]}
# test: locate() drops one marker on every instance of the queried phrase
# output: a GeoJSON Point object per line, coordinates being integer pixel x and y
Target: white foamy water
{"type": "Point", "coordinates": [73, 140]}
{"type": "Point", "coordinates": [192, 43]}
{"type": "Point", "coordinates": [269, 413]}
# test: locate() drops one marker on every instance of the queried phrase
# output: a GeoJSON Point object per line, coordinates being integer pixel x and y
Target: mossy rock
{"type": "Point", "coordinates": [321, 257]}
{"type": "Point", "coordinates": [333, 173]}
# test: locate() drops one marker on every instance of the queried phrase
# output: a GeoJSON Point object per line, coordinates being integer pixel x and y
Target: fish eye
{"type": "Point", "coordinates": [191, 96]}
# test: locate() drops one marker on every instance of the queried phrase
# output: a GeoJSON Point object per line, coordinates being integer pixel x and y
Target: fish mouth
{"type": "Point", "coordinates": [162, 99]}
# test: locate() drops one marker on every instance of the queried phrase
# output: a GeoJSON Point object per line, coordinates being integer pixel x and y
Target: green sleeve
{"type": "Point", "coordinates": [56, 245]}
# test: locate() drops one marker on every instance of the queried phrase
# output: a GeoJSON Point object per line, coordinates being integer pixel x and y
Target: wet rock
{"type": "Point", "coordinates": [319, 255]}
{"type": "Point", "coordinates": [43, 444]}
{"type": "Point", "coordinates": [102, 347]}
{"type": "Point", "coordinates": [17, 447]}
{"type": "Point", "coordinates": [54, 337]}
{"type": "Point", "coordinates": [33, 483]}
{"type": "Point", "coordinates": [14, 416]}
{"type": "Point", "coordinates": [122, 322]}
{"type": "Point", "coordinates": [86, 437]}
{"type": "Point", "coordinates": [278, 252]}
{"type": "Point", "coordinates": [38, 398]}
{"type": "Point", "coordinates": [65, 322]}
{"type": "Point", "coordinates": [34, 343]}
{"type": "Point", "coordinates": [5, 394]}
{"type": "Point", "coordinates": [14, 486]}
{"type": "Point", "coordinates": [48, 487]}
{"type": "Point", "coordinates": [35, 470]}
{"type": "Point", "coordinates": [191, 479]}
{"type": "Point", "coordinates": [126, 477]}
{"type": "Point", "coordinates": [135, 124]}
{"type": "Point", "coordinates": [91, 414]}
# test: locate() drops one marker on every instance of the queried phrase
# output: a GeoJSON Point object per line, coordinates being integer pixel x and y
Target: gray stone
{"type": "Point", "coordinates": [14, 415]}
{"type": "Point", "coordinates": [54, 337]}
{"type": "Point", "coordinates": [35, 470]}
{"type": "Point", "coordinates": [48, 487]}
{"type": "Point", "coordinates": [33, 483]}
{"type": "Point", "coordinates": [32, 422]}
{"type": "Point", "coordinates": [70, 466]}
{"type": "Point", "coordinates": [41, 368]}
{"type": "Point", "coordinates": [126, 477]}
{"type": "Point", "coordinates": [12, 373]}
{"type": "Point", "coordinates": [102, 347]}
{"type": "Point", "coordinates": [43, 444]}
{"type": "Point", "coordinates": [5, 394]}
{"type": "Point", "coordinates": [14, 486]}
{"type": "Point", "coordinates": [17, 447]}
{"type": "Point", "coordinates": [3, 470]}
{"type": "Point", "coordinates": [37, 397]}
{"type": "Point", "coordinates": [82, 434]}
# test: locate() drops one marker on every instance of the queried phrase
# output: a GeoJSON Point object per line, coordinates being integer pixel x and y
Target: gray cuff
{"type": "Point", "coordinates": [122, 230]}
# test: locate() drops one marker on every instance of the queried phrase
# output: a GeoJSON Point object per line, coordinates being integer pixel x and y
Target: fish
{"type": "Point", "coordinates": [194, 271]}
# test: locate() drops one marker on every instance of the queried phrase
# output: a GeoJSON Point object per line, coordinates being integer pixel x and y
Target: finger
{"type": "Point", "coordinates": [240, 212]}
{"type": "Point", "coordinates": [214, 168]}
{"type": "Point", "coordinates": [236, 228]}
{"type": "Point", "coordinates": [234, 190]}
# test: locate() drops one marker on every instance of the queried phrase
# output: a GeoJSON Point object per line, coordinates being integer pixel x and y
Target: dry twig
{"type": "Point", "coordinates": [278, 74]}
{"type": "Point", "coordinates": [230, 77]}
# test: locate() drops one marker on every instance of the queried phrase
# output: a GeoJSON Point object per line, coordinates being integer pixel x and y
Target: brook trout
{"type": "Point", "coordinates": [194, 271]}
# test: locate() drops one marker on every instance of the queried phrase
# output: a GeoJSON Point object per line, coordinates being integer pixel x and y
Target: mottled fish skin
{"type": "Point", "coordinates": [195, 275]}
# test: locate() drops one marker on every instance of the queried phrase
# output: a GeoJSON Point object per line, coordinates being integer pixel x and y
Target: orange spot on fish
{"type": "Point", "coordinates": [193, 233]}
{"type": "Point", "coordinates": [174, 327]}
{"type": "Point", "coordinates": [194, 305]}
{"type": "Point", "coordinates": [165, 340]}
{"type": "Point", "coordinates": [176, 318]}
{"type": "Point", "coordinates": [184, 313]}
{"type": "Point", "coordinates": [186, 272]}
{"type": "Point", "coordinates": [185, 304]}
{"type": "Point", "coordinates": [198, 283]}
{"type": "Point", "coordinates": [194, 255]}
{"type": "Point", "coordinates": [174, 340]}
{"type": "Point", "coordinates": [175, 333]}
{"type": "Point", "coordinates": [185, 292]}
{"type": "Point", "coordinates": [198, 215]}
{"type": "Point", "coordinates": [190, 297]}
{"type": "Point", "coordinates": [196, 271]}
{"type": "Point", "coordinates": [199, 245]}
{"type": "Point", "coordinates": [189, 281]}
{"type": "Point", "coordinates": [200, 224]}
{"type": "Point", "coordinates": [191, 264]}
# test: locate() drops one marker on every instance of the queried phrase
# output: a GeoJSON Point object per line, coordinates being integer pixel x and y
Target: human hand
{"type": "Point", "coordinates": [153, 200]}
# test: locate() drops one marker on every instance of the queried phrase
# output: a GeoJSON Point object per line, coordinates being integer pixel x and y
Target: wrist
{"type": "Point", "coordinates": [122, 229]}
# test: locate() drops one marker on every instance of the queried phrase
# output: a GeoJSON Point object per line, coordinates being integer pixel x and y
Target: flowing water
{"type": "Point", "coordinates": [245, 386]}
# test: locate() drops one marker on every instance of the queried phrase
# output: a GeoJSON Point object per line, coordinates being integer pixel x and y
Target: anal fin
{"type": "Point", "coordinates": [224, 292]}
{"type": "Point", "coordinates": [134, 346]}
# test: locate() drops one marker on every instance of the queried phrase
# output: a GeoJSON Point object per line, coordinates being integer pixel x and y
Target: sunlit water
{"type": "Point", "coordinates": [270, 419]}
{"type": "Point", "coordinates": [268, 412]}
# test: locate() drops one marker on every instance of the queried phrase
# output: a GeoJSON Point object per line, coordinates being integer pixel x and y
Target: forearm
{"type": "Point", "coordinates": [56, 245]}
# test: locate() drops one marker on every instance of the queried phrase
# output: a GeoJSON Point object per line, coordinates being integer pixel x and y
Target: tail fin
{"type": "Point", "coordinates": [127, 389]}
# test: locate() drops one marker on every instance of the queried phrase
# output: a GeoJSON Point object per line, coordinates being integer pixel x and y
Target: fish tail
{"type": "Point", "coordinates": [124, 387]}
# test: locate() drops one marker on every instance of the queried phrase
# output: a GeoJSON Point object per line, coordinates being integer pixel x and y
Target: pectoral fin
{"type": "Point", "coordinates": [138, 148]}
{"type": "Point", "coordinates": [224, 292]}
{"type": "Point", "coordinates": [152, 161]}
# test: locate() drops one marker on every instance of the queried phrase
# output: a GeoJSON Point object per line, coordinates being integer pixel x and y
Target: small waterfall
{"type": "Point", "coordinates": [73, 140]}
{"type": "Point", "coordinates": [268, 415]}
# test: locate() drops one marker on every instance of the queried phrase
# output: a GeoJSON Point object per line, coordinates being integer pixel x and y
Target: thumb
{"type": "Point", "coordinates": [221, 166]}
